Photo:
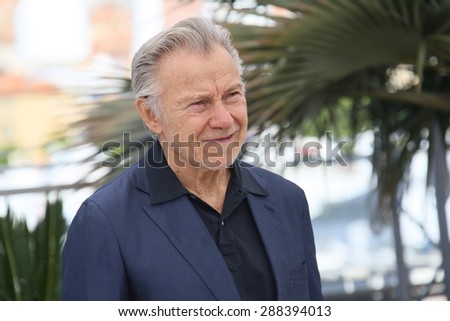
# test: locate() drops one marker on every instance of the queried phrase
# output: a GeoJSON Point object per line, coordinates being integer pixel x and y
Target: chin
{"type": "Point", "coordinates": [217, 163]}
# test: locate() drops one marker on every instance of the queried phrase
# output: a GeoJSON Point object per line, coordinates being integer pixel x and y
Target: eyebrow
{"type": "Point", "coordinates": [206, 95]}
{"type": "Point", "coordinates": [193, 97]}
{"type": "Point", "coordinates": [238, 86]}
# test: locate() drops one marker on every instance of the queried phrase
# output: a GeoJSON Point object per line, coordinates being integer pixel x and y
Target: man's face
{"type": "Point", "coordinates": [205, 109]}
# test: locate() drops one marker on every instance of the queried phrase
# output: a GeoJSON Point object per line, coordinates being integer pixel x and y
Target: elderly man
{"type": "Point", "coordinates": [189, 221]}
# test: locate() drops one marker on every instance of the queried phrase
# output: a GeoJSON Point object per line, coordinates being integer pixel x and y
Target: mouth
{"type": "Point", "coordinates": [222, 139]}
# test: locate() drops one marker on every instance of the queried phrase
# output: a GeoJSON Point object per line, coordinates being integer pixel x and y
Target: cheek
{"type": "Point", "coordinates": [191, 126]}
{"type": "Point", "coordinates": [241, 117]}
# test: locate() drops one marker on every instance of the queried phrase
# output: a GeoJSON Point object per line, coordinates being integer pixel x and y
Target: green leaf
{"type": "Point", "coordinates": [30, 266]}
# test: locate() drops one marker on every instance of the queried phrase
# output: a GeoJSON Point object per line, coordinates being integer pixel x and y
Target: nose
{"type": "Point", "coordinates": [221, 117]}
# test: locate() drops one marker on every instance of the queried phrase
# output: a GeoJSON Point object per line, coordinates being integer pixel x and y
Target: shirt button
{"type": "Point", "coordinates": [222, 223]}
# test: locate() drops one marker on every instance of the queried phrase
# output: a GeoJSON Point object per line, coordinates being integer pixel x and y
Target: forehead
{"type": "Point", "coordinates": [188, 68]}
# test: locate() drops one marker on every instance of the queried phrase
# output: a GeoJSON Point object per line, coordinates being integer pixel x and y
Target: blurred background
{"type": "Point", "coordinates": [358, 90]}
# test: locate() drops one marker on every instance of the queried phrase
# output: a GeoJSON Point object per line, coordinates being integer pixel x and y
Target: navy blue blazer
{"type": "Point", "coordinates": [123, 246]}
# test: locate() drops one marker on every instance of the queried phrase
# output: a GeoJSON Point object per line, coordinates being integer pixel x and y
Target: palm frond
{"type": "Point", "coordinates": [391, 58]}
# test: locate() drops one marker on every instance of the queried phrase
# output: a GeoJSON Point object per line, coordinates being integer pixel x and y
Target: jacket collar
{"type": "Point", "coordinates": [163, 185]}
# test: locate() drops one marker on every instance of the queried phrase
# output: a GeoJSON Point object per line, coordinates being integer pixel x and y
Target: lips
{"type": "Point", "coordinates": [220, 139]}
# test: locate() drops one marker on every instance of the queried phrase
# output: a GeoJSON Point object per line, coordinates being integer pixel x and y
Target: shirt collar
{"type": "Point", "coordinates": [165, 186]}
{"type": "Point", "coordinates": [243, 178]}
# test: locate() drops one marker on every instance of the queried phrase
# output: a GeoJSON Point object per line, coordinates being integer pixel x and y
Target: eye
{"type": "Point", "coordinates": [234, 96]}
{"type": "Point", "coordinates": [198, 105]}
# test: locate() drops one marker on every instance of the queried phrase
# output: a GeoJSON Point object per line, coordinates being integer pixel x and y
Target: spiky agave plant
{"type": "Point", "coordinates": [30, 264]}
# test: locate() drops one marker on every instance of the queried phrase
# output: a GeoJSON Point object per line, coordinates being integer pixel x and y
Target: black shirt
{"type": "Point", "coordinates": [234, 230]}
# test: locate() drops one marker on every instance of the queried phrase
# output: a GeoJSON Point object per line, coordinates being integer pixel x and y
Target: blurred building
{"type": "Point", "coordinates": [47, 49]}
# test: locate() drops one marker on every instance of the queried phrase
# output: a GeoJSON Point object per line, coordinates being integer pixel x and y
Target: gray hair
{"type": "Point", "coordinates": [195, 34]}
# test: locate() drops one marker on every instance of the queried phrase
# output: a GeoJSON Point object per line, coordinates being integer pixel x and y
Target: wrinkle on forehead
{"type": "Point", "coordinates": [198, 75]}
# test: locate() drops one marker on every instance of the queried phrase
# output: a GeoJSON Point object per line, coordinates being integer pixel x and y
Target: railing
{"type": "Point", "coordinates": [45, 189]}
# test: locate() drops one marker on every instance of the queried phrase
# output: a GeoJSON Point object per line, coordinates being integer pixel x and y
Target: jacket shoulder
{"type": "Point", "coordinates": [271, 181]}
{"type": "Point", "coordinates": [119, 193]}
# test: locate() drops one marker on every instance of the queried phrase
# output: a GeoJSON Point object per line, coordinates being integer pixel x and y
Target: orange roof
{"type": "Point", "coordinates": [13, 84]}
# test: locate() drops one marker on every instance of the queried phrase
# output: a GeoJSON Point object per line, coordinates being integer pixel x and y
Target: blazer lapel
{"type": "Point", "coordinates": [184, 228]}
{"type": "Point", "coordinates": [269, 224]}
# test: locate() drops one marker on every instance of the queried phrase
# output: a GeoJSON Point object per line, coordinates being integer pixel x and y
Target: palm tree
{"type": "Point", "coordinates": [105, 118]}
{"type": "Point", "coordinates": [390, 58]}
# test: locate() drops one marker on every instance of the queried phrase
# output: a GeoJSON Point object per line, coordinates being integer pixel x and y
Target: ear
{"type": "Point", "coordinates": [150, 120]}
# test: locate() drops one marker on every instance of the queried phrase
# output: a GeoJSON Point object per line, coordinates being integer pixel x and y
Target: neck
{"type": "Point", "coordinates": [208, 185]}
{"type": "Point", "coordinates": [202, 182]}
